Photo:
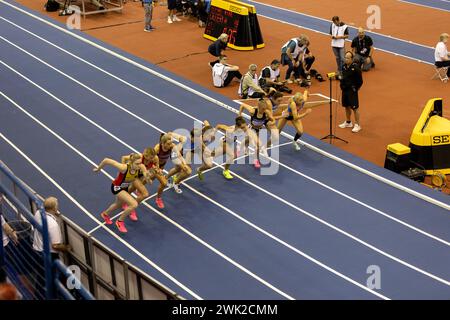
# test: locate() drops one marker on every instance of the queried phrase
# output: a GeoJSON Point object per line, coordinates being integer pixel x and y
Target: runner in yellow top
{"type": "Point", "coordinates": [128, 173]}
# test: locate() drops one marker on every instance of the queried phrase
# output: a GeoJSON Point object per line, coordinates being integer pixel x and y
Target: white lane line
{"type": "Point", "coordinates": [362, 203]}
{"type": "Point", "coordinates": [252, 184]}
{"type": "Point", "coordinates": [424, 5]}
{"type": "Point", "coordinates": [286, 96]}
{"type": "Point", "coordinates": [129, 246]}
{"type": "Point", "coordinates": [326, 20]}
{"type": "Point", "coordinates": [324, 33]}
{"type": "Point", "coordinates": [187, 179]}
{"type": "Point", "coordinates": [198, 239]}
{"type": "Point", "coordinates": [287, 245]}
{"type": "Point", "coordinates": [91, 65]}
{"type": "Point", "coordinates": [223, 105]}
{"type": "Point", "coordinates": [345, 233]}
{"type": "Point", "coordinates": [184, 113]}
{"type": "Point", "coordinates": [214, 202]}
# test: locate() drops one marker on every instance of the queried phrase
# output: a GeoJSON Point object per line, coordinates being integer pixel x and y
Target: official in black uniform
{"type": "Point", "coordinates": [351, 82]}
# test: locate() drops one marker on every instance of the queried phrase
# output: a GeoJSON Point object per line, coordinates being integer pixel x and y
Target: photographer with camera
{"type": "Point", "coordinates": [270, 78]}
{"type": "Point", "coordinates": [292, 55]}
{"type": "Point", "coordinates": [351, 82]}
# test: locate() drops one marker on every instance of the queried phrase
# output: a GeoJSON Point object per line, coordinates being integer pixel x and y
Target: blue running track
{"type": "Point", "coordinates": [309, 232]}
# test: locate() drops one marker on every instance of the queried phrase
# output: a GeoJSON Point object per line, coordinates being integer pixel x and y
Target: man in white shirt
{"type": "Point", "coordinates": [223, 73]}
{"type": "Point", "coordinates": [441, 54]}
{"type": "Point", "coordinates": [338, 32]}
{"type": "Point", "coordinates": [54, 232]}
{"type": "Point", "coordinates": [56, 243]}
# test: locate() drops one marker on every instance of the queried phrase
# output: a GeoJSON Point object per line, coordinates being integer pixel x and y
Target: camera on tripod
{"type": "Point", "coordinates": [331, 75]}
{"type": "Point", "coordinates": [331, 136]}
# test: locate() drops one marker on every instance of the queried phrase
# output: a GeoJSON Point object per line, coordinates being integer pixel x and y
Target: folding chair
{"type": "Point", "coordinates": [440, 73]}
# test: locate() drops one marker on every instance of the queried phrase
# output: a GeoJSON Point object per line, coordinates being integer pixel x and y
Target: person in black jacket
{"type": "Point", "coordinates": [217, 48]}
{"type": "Point", "coordinates": [362, 46]}
{"type": "Point", "coordinates": [351, 82]}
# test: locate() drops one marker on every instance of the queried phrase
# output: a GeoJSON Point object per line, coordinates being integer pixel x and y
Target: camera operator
{"type": "Point", "coordinates": [292, 55]}
{"type": "Point", "coordinates": [270, 78]}
{"type": "Point", "coordinates": [351, 82]}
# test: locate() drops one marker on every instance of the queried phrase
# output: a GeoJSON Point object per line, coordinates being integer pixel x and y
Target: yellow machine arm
{"type": "Point", "coordinates": [430, 139]}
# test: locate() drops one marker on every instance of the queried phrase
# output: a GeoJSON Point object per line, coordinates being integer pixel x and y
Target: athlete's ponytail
{"type": "Point", "coordinates": [164, 138]}
{"type": "Point", "coordinates": [133, 157]}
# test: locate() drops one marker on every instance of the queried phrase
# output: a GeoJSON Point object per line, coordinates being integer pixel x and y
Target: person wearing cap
{"type": "Point", "coordinates": [270, 78]}
{"type": "Point", "coordinates": [362, 46]}
{"type": "Point", "coordinates": [441, 54]}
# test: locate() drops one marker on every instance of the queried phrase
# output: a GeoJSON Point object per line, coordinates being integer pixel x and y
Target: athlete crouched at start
{"type": "Point", "coordinates": [120, 188]}
{"type": "Point", "coordinates": [166, 149]}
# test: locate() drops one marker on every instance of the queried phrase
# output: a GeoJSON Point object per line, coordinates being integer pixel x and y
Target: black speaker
{"type": "Point", "coordinates": [397, 158]}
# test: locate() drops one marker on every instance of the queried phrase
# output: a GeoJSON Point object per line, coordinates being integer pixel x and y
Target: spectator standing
{"type": "Point", "coordinates": [172, 6]}
{"type": "Point", "coordinates": [362, 47]}
{"type": "Point", "coordinates": [202, 13]}
{"type": "Point", "coordinates": [148, 8]}
{"type": "Point", "coordinates": [441, 54]}
{"type": "Point", "coordinates": [223, 73]}
{"type": "Point", "coordinates": [351, 82]}
{"type": "Point", "coordinates": [338, 32]}
{"type": "Point", "coordinates": [51, 207]}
